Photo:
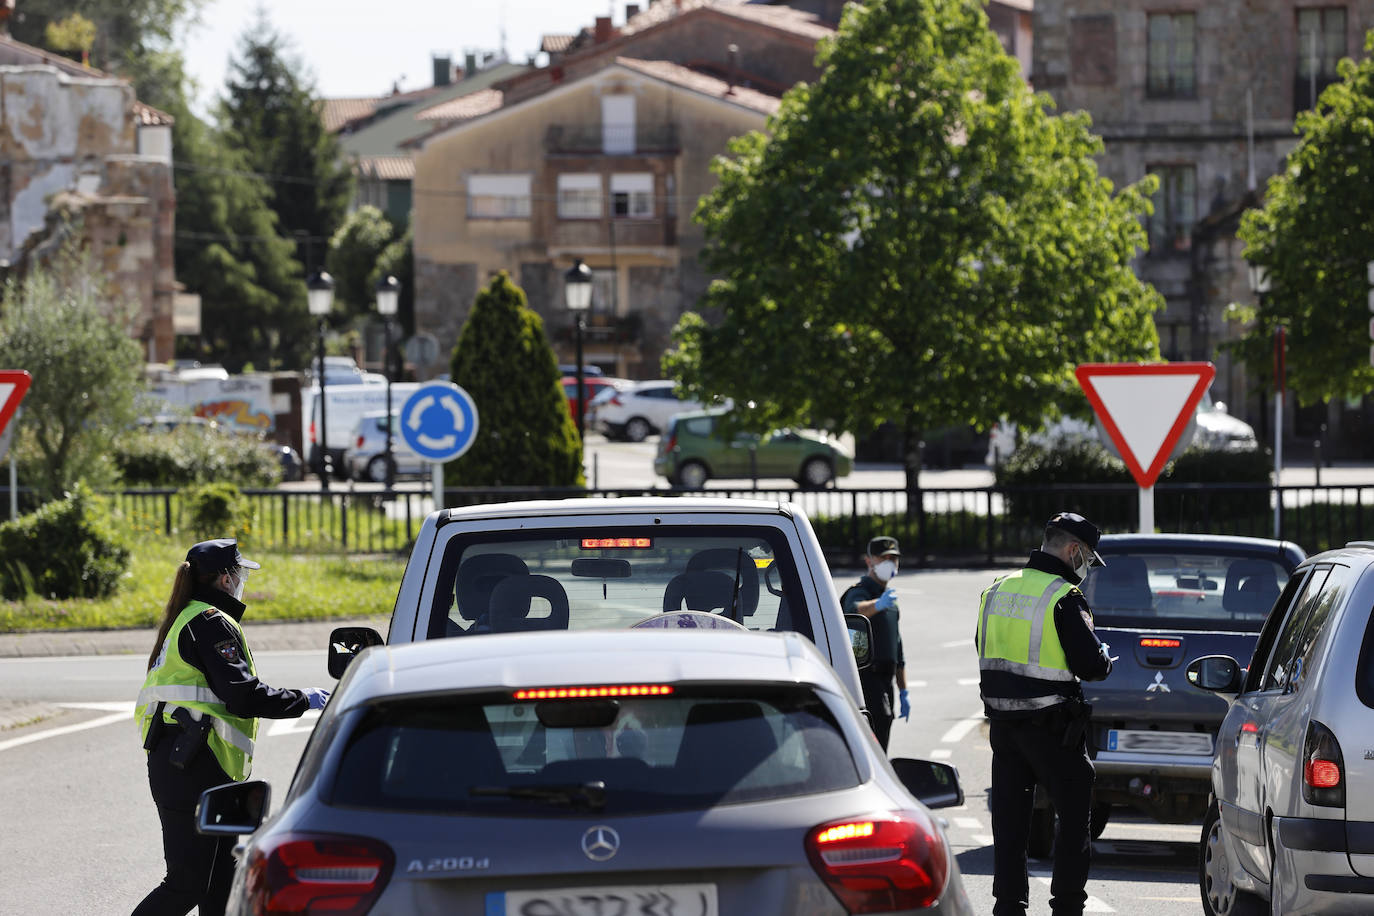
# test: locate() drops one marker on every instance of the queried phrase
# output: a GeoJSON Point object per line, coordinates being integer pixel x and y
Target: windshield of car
{"type": "Point", "coordinates": [1197, 590]}
{"type": "Point", "coordinates": [689, 748]}
{"type": "Point", "coordinates": [614, 577]}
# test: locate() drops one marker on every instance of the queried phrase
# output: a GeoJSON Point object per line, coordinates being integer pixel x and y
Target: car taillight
{"type": "Point", "coordinates": [891, 861]}
{"type": "Point", "coordinates": [361, 440]}
{"type": "Point", "coordinates": [666, 446]}
{"type": "Point", "coordinates": [1323, 767]}
{"type": "Point", "coordinates": [312, 433]}
{"type": "Point", "coordinates": [615, 399]}
{"type": "Point", "coordinates": [317, 873]}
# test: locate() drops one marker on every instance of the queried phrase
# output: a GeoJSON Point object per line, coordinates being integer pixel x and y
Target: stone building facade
{"type": "Point", "coordinates": [1203, 95]}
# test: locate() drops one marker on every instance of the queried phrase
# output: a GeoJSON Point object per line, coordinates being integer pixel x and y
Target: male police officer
{"type": "Point", "coordinates": [874, 597]}
{"type": "Point", "coordinates": [1035, 641]}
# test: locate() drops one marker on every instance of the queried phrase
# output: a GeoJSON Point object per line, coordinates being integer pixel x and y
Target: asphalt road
{"type": "Point", "coordinates": [81, 836]}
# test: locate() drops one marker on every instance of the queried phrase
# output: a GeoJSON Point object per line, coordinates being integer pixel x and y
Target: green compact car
{"type": "Point", "coordinates": [693, 449]}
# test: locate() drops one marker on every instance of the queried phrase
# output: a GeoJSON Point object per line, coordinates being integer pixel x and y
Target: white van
{"type": "Point", "coordinates": [344, 407]}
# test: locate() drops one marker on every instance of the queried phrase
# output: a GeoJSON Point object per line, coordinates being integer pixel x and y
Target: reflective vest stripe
{"type": "Point", "coordinates": [1037, 633]}
{"type": "Point", "coordinates": [222, 728]}
{"type": "Point", "coordinates": [983, 621]}
{"type": "Point", "coordinates": [1037, 639]}
{"type": "Point", "coordinates": [176, 693]}
{"type": "Point", "coordinates": [1035, 671]}
{"type": "Point", "coordinates": [1014, 704]}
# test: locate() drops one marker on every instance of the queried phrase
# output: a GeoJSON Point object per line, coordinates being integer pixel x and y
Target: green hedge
{"type": "Point", "coordinates": [69, 548]}
{"type": "Point", "coordinates": [191, 455]}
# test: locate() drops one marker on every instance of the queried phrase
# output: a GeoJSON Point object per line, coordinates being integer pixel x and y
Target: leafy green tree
{"type": "Point", "coordinates": [398, 260]}
{"type": "Point", "coordinates": [60, 324]}
{"type": "Point", "coordinates": [75, 34]}
{"type": "Point", "coordinates": [526, 434]}
{"type": "Point", "coordinates": [920, 240]}
{"type": "Point", "coordinates": [228, 248]}
{"type": "Point", "coordinates": [1314, 236]}
{"type": "Point", "coordinates": [354, 253]}
{"type": "Point", "coordinates": [272, 114]}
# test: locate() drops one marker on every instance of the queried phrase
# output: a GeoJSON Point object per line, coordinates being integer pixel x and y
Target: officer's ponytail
{"type": "Point", "coordinates": [181, 596]}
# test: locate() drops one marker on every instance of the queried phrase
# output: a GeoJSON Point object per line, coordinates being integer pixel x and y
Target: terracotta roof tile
{"type": "Point", "coordinates": [703, 83]}
{"type": "Point", "coordinates": [148, 116]}
{"type": "Point", "coordinates": [338, 113]}
{"type": "Point", "coordinates": [556, 44]}
{"type": "Point", "coordinates": [464, 107]}
{"type": "Point", "coordinates": [387, 168]}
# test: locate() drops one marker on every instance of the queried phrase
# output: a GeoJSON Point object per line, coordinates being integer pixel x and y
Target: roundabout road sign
{"type": "Point", "coordinates": [439, 421]}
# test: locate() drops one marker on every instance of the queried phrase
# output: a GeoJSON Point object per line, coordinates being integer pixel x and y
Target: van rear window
{"type": "Point", "coordinates": [1198, 590]}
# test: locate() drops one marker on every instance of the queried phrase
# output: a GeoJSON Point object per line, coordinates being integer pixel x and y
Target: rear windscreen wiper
{"type": "Point", "coordinates": [592, 794]}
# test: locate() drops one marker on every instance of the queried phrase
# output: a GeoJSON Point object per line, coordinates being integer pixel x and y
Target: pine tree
{"type": "Point", "coordinates": [526, 435]}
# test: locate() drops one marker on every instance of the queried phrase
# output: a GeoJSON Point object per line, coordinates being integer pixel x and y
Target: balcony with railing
{"type": "Point", "coordinates": [612, 140]}
{"type": "Point", "coordinates": [614, 232]}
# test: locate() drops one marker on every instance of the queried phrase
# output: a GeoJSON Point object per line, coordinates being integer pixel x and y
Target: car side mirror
{"type": "Point", "coordinates": [233, 809]}
{"type": "Point", "coordinates": [344, 645]}
{"type": "Point", "coordinates": [1216, 673]}
{"type": "Point", "coordinates": [860, 638]}
{"type": "Point", "coordinates": [935, 784]}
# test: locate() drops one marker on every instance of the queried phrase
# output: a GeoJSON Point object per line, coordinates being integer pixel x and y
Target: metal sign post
{"type": "Point", "coordinates": [439, 422]}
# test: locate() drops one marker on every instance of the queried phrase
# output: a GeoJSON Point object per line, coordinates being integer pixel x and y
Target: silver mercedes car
{"type": "Point", "coordinates": [670, 770]}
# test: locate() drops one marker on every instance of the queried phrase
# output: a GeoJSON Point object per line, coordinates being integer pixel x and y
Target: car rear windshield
{"type": "Point", "coordinates": [615, 577]}
{"type": "Point", "coordinates": [692, 748]}
{"type": "Point", "coordinates": [1198, 590]}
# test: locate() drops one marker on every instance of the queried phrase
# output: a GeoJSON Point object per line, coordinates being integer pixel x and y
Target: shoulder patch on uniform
{"type": "Point", "coordinates": [1087, 618]}
{"type": "Point", "coordinates": [211, 611]}
{"type": "Point", "coordinates": [228, 650]}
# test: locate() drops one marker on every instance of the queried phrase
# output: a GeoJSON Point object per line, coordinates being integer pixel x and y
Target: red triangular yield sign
{"type": "Point", "coordinates": [1145, 407]}
{"type": "Point", "coordinates": [14, 383]}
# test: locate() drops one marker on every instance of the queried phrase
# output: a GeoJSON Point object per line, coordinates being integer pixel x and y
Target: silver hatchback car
{"type": "Point", "coordinates": [687, 771]}
{"type": "Point", "coordinates": [1290, 828]}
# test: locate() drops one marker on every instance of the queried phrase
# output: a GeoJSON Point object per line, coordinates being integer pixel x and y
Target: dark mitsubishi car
{"type": "Point", "coordinates": [1160, 601]}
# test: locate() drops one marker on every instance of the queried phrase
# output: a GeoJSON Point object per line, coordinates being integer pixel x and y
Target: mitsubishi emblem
{"type": "Point", "coordinates": [1158, 684]}
{"type": "Point", "coordinates": [600, 842]}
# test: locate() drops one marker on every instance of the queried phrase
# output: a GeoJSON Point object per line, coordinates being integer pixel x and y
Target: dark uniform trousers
{"type": "Point", "coordinates": [1025, 752]}
{"type": "Point", "coordinates": [876, 683]}
{"type": "Point", "coordinates": [199, 868]}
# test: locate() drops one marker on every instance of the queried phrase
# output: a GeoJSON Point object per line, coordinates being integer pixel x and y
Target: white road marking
{"type": "Point", "coordinates": [956, 643]}
{"type": "Point", "coordinates": [982, 839]}
{"type": "Point", "coordinates": [125, 710]}
{"type": "Point", "coordinates": [960, 729]}
{"type": "Point", "coordinates": [969, 823]}
{"type": "Point", "coordinates": [968, 681]}
{"type": "Point", "coordinates": [304, 725]}
{"type": "Point", "coordinates": [940, 753]}
{"type": "Point", "coordinates": [66, 729]}
{"type": "Point", "coordinates": [914, 684]}
{"type": "Point", "coordinates": [1092, 905]}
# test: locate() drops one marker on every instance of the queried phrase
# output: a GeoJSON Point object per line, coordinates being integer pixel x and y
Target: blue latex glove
{"type": "Point", "coordinates": [317, 696]}
{"type": "Point", "coordinates": [886, 600]}
{"type": "Point", "coordinates": [906, 704]}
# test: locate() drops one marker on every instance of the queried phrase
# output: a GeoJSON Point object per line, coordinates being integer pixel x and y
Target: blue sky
{"type": "Point", "coordinates": [352, 51]}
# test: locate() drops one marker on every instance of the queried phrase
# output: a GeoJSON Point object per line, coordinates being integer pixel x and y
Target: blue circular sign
{"type": "Point", "coordinates": [439, 421]}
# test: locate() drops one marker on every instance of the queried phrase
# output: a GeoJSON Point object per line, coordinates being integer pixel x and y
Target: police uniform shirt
{"type": "Point", "coordinates": [887, 637]}
{"type": "Point", "coordinates": [210, 643]}
{"type": "Point", "coordinates": [1082, 649]}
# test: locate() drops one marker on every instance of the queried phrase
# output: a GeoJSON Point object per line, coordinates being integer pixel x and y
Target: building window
{"type": "Point", "coordinates": [604, 292]}
{"type": "Point", "coordinates": [1171, 225]}
{"type": "Point", "coordinates": [579, 196]}
{"type": "Point", "coordinates": [632, 195]}
{"type": "Point", "coordinates": [499, 196]}
{"type": "Point", "coordinates": [1172, 56]}
{"type": "Point", "coordinates": [1321, 43]}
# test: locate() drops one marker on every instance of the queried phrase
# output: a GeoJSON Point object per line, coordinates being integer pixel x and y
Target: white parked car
{"type": "Point", "coordinates": [365, 458]}
{"type": "Point", "coordinates": [636, 412]}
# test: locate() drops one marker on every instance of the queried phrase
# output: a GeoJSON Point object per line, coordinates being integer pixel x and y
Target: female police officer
{"type": "Point", "coordinates": [198, 712]}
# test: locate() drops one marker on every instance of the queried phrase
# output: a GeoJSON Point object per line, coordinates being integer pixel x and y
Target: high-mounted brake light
{"type": "Point", "coordinates": [600, 690]}
{"type": "Point", "coordinates": [312, 432]}
{"type": "Point", "coordinates": [617, 542]}
{"type": "Point", "coordinates": [314, 873]}
{"type": "Point", "coordinates": [885, 862]}
{"type": "Point", "coordinates": [1153, 642]}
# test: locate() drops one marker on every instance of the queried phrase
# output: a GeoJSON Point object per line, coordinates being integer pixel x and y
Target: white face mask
{"type": "Point", "coordinates": [1082, 564]}
{"type": "Point", "coordinates": [885, 571]}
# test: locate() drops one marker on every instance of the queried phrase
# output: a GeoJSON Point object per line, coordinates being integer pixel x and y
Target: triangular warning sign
{"type": "Point", "coordinates": [14, 383]}
{"type": "Point", "coordinates": [1145, 407]}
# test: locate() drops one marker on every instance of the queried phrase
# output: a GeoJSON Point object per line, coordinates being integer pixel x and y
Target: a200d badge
{"type": "Point", "coordinates": [448, 863]}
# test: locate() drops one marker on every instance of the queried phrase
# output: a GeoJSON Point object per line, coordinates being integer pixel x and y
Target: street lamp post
{"type": "Point", "coordinates": [319, 296]}
{"type": "Point", "coordinates": [577, 293]}
{"type": "Point", "coordinates": [388, 297]}
{"type": "Point", "coordinates": [1259, 285]}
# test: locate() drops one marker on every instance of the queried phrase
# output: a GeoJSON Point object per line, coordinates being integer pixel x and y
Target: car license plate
{"type": "Point", "coordinates": [1152, 742]}
{"type": "Point", "coordinates": [632, 900]}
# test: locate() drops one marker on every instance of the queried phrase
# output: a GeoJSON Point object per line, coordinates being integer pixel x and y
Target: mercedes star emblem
{"type": "Point", "coordinates": [600, 843]}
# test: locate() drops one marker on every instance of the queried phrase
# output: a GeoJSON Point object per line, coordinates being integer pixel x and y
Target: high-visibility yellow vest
{"type": "Point", "coordinates": [1016, 634]}
{"type": "Point", "coordinates": [175, 682]}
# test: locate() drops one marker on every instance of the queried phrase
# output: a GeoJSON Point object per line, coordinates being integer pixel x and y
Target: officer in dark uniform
{"type": "Point", "coordinates": [873, 597]}
{"type": "Point", "coordinates": [198, 712]}
{"type": "Point", "coordinates": [1035, 642]}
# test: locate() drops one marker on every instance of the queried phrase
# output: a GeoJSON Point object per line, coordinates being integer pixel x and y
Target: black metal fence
{"type": "Point", "coordinates": [944, 527]}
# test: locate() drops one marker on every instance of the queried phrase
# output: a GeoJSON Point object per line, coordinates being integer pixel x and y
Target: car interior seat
{"type": "Point", "coordinates": [727, 560]}
{"type": "Point", "coordinates": [722, 743]}
{"type": "Point", "coordinates": [511, 602]}
{"type": "Point", "coordinates": [441, 762]}
{"type": "Point", "coordinates": [1252, 587]}
{"type": "Point", "coordinates": [1122, 585]}
{"type": "Point", "coordinates": [477, 576]}
{"type": "Point", "coordinates": [705, 590]}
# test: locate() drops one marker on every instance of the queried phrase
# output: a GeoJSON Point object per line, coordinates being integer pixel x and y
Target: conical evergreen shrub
{"type": "Point", "coordinates": [526, 435]}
